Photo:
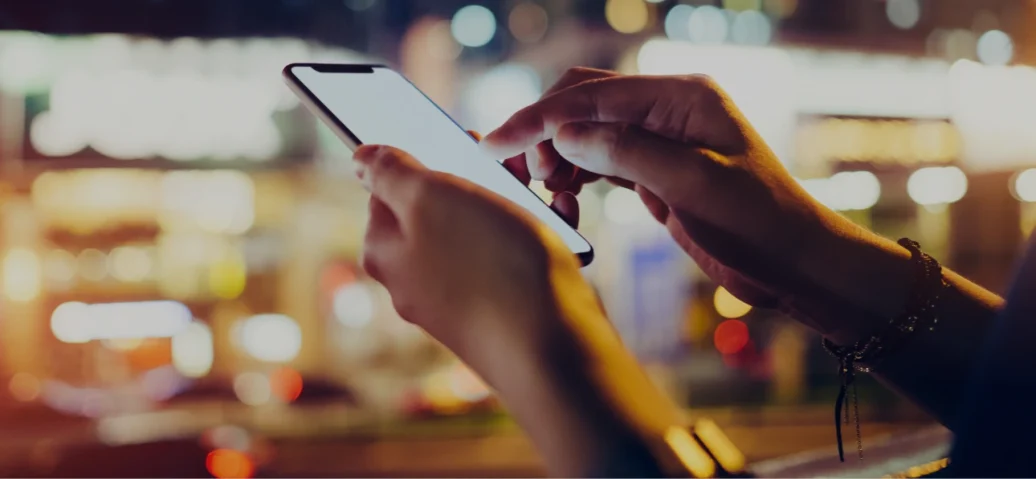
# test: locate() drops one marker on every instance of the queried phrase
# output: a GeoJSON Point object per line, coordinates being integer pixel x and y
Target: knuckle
{"type": "Point", "coordinates": [618, 141]}
{"type": "Point", "coordinates": [704, 86]}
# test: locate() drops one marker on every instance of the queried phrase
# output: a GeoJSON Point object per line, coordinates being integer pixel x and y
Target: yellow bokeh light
{"type": "Point", "coordinates": [228, 276]}
{"type": "Point", "coordinates": [627, 16]}
{"type": "Point", "coordinates": [728, 306]}
{"type": "Point", "coordinates": [129, 263]}
{"type": "Point", "coordinates": [23, 275]}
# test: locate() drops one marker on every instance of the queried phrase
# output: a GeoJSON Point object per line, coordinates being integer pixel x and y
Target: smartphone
{"type": "Point", "coordinates": [373, 104]}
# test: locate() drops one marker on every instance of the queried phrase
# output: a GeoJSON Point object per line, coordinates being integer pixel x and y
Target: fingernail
{"type": "Point", "coordinates": [360, 169]}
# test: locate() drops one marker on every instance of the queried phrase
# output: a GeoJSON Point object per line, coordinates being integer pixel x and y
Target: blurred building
{"type": "Point", "coordinates": [172, 220]}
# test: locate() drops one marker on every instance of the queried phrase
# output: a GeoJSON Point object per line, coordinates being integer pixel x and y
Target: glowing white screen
{"type": "Point", "coordinates": [384, 108]}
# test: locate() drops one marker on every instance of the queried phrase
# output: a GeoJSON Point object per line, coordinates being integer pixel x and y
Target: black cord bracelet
{"type": "Point", "coordinates": [920, 312]}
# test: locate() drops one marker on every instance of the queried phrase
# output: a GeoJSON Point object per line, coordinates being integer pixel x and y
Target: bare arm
{"type": "Point", "coordinates": [703, 171]}
{"type": "Point", "coordinates": [872, 276]}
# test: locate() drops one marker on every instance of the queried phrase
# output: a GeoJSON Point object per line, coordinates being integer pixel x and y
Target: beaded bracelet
{"type": "Point", "coordinates": [920, 312]}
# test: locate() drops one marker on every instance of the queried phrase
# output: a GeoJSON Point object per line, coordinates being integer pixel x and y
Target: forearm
{"type": "Point", "coordinates": [868, 280]}
{"type": "Point", "coordinates": [578, 393]}
{"type": "Point", "coordinates": [565, 413]}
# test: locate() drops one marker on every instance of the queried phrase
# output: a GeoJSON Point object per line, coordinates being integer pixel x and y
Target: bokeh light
{"type": "Point", "coordinates": [130, 263]}
{"type": "Point", "coordinates": [23, 275]}
{"type": "Point", "coordinates": [937, 185]}
{"type": "Point", "coordinates": [780, 8]}
{"type": "Point", "coordinates": [677, 22]}
{"type": "Point", "coordinates": [92, 264]}
{"type": "Point", "coordinates": [193, 350]}
{"type": "Point", "coordinates": [272, 338]}
{"type": "Point", "coordinates": [708, 24]}
{"type": "Point", "coordinates": [995, 48]}
{"type": "Point", "coordinates": [353, 305]}
{"type": "Point", "coordinates": [252, 388]}
{"type": "Point", "coordinates": [1024, 187]}
{"type": "Point", "coordinates": [473, 26]}
{"type": "Point", "coordinates": [24, 387]}
{"type": "Point", "coordinates": [751, 27]}
{"type": "Point", "coordinates": [229, 464]}
{"type": "Point", "coordinates": [627, 16]}
{"type": "Point", "coordinates": [728, 305]}
{"type": "Point", "coordinates": [904, 14]}
{"type": "Point", "coordinates": [70, 323]}
{"type": "Point", "coordinates": [76, 322]}
{"type": "Point", "coordinates": [846, 190]}
{"type": "Point", "coordinates": [731, 336]}
{"type": "Point", "coordinates": [286, 384]}
{"type": "Point", "coordinates": [528, 22]}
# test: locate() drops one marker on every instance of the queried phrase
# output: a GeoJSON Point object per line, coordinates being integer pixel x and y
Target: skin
{"type": "Point", "coordinates": [502, 291]}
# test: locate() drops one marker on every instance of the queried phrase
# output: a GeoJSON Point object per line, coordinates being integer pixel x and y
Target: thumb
{"type": "Point", "coordinates": [665, 167]}
{"type": "Point", "coordinates": [391, 175]}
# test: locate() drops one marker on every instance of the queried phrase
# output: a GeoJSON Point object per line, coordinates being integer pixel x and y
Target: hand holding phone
{"type": "Point", "coordinates": [368, 104]}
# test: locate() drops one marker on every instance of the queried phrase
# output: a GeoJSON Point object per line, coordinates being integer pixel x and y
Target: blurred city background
{"type": "Point", "coordinates": [179, 291]}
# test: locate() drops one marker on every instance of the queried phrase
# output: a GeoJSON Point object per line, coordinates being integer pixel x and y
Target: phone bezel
{"type": "Point", "coordinates": [348, 137]}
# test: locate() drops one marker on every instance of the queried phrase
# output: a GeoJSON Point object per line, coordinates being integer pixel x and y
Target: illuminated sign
{"type": "Point", "coordinates": [114, 97]}
{"type": "Point", "coordinates": [820, 142]}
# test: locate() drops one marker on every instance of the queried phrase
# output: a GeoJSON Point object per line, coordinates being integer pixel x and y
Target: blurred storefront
{"type": "Point", "coordinates": [177, 231]}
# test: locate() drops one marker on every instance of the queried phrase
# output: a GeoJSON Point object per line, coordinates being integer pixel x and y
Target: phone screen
{"type": "Point", "coordinates": [380, 106]}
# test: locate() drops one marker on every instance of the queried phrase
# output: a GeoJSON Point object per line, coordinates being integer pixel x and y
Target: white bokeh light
{"type": "Point", "coordinates": [677, 22]}
{"type": "Point", "coordinates": [937, 185]}
{"type": "Point", "coordinates": [274, 338]}
{"type": "Point", "coordinates": [192, 350]}
{"type": "Point", "coordinates": [353, 305]}
{"type": "Point", "coordinates": [70, 323]}
{"type": "Point", "coordinates": [904, 14]}
{"type": "Point", "coordinates": [751, 27]}
{"type": "Point", "coordinates": [846, 190]}
{"type": "Point", "coordinates": [708, 24]}
{"type": "Point", "coordinates": [995, 48]}
{"type": "Point", "coordinates": [1025, 186]}
{"type": "Point", "coordinates": [473, 26]}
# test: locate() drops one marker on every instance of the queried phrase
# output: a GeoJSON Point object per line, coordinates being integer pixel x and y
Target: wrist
{"type": "Point", "coordinates": [853, 280]}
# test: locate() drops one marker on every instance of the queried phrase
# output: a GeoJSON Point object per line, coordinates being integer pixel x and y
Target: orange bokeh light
{"type": "Point", "coordinates": [731, 336]}
{"type": "Point", "coordinates": [286, 384]}
{"type": "Point", "coordinates": [225, 464]}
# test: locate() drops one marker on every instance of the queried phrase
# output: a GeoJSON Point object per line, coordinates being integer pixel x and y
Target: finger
{"type": "Point", "coordinates": [476, 135]}
{"type": "Point", "coordinates": [629, 185]}
{"type": "Point", "coordinates": [391, 175]}
{"type": "Point", "coordinates": [654, 204]}
{"type": "Point", "coordinates": [517, 166]}
{"type": "Point", "coordinates": [581, 179]}
{"type": "Point", "coordinates": [623, 99]}
{"type": "Point", "coordinates": [380, 241]}
{"type": "Point", "coordinates": [561, 178]}
{"type": "Point", "coordinates": [566, 205]}
{"type": "Point", "coordinates": [575, 76]}
{"type": "Point", "coordinates": [546, 159]}
{"type": "Point", "coordinates": [665, 167]}
{"type": "Point", "coordinates": [539, 166]}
